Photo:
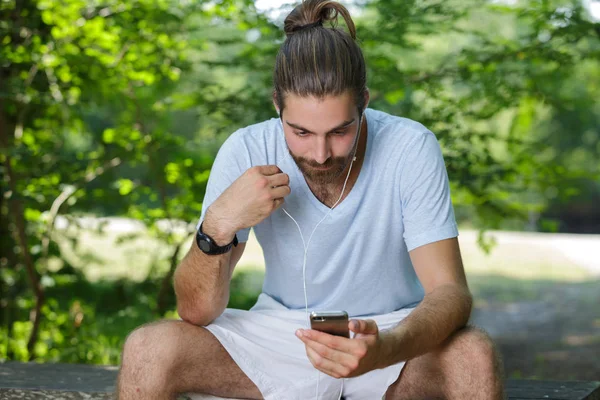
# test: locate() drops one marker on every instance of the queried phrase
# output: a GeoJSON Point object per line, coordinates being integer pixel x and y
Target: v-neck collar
{"type": "Point", "coordinates": [356, 190]}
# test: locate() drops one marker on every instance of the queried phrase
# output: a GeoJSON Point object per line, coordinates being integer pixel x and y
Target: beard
{"type": "Point", "coordinates": [313, 172]}
{"type": "Point", "coordinates": [335, 166]}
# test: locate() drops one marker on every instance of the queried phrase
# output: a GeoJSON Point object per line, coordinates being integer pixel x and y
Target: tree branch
{"type": "Point", "coordinates": [21, 239]}
{"type": "Point", "coordinates": [16, 210]}
{"type": "Point", "coordinates": [65, 195]}
{"type": "Point", "coordinates": [166, 281]}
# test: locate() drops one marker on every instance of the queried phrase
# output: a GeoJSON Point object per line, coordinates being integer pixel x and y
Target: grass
{"type": "Point", "coordinates": [135, 259]}
{"type": "Point", "coordinates": [104, 258]}
{"type": "Point", "coordinates": [524, 261]}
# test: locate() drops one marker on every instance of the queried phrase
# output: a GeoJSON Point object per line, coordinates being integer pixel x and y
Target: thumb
{"type": "Point", "coordinates": [278, 202]}
{"type": "Point", "coordinates": [364, 326]}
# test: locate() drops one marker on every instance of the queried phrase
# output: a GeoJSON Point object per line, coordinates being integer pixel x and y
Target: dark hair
{"type": "Point", "coordinates": [316, 60]}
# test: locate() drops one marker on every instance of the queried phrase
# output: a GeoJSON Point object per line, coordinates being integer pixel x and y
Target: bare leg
{"type": "Point", "coordinates": [466, 366]}
{"type": "Point", "coordinates": [165, 358]}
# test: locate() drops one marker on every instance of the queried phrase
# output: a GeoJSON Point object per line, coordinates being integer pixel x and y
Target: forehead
{"type": "Point", "coordinates": [339, 107]}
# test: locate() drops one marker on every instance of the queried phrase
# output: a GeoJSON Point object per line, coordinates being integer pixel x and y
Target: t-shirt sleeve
{"type": "Point", "coordinates": [230, 163]}
{"type": "Point", "coordinates": [428, 214]}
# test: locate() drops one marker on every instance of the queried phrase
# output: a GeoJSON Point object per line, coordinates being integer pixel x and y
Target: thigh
{"type": "Point", "coordinates": [191, 359]}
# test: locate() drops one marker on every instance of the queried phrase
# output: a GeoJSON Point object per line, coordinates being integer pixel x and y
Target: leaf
{"type": "Point", "coordinates": [108, 136]}
{"type": "Point", "coordinates": [395, 96]}
{"type": "Point", "coordinates": [172, 172]}
{"type": "Point", "coordinates": [125, 186]}
{"type": "Point", "coordinates": [32, 214]}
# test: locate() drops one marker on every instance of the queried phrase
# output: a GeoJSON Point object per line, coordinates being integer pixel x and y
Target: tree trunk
{"type": "Point", "coordinates": [161, 303]}
{"type": "Point", "coordinates": [15, 207]}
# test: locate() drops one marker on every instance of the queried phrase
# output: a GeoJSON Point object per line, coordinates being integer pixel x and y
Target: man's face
{"type": "Point", "coordinates": [321, 134]}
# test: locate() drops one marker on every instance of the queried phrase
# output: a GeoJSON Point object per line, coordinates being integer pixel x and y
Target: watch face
{"type": "Point", "coordinates": [204, 245]}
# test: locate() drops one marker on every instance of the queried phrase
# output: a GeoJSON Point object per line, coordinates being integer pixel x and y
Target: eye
{"type": "Point", "coordinates": [301, 133]}
{"type": "Point", "coordinates": [340, 132]}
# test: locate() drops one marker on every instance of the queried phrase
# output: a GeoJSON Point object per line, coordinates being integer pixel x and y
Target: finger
{"type": "Point", "coordinates": [324, 365]}
{"type": "Point", "coordinates": [280, 191]}
{"type": "Point", "coordinates": [329, 353]}
{"type": "Point", "coordinates": [268, 170]}
{"type": "Point", "coordinates": [280, 179]}
{"type": "Point", "coordinates": [332, 341]}
{"type": "Point", "coordinates": [365, 326]}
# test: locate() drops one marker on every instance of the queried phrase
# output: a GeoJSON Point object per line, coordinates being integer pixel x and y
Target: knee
{"type": "Point", "coordinates": [150, 348]}
{"type": "Point", "coordinates": [479, 352]}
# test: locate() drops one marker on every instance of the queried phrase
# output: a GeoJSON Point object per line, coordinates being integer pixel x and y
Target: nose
{"type": "Point", "coordinates": [322, 150]}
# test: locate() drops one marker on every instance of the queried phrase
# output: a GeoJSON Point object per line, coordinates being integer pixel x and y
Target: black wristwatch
{"type": "Point", "coordinates": [209, 246]}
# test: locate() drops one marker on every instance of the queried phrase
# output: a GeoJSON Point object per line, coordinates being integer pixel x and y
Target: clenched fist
{"type": "Point", "coordinates": [250, 199]}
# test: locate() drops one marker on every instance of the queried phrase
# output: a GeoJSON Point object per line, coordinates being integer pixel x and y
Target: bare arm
{"type": "Point", "coordinates": [202, 281]}
{"type": "Point", "coordinates": [445, 308]}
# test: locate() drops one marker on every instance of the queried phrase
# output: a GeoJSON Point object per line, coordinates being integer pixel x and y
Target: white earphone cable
{"type": "Point", "coordinates": [306, 244]}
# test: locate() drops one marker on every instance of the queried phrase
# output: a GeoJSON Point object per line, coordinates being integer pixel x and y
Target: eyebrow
{"type": "Point", "coordinates": [340, 126]}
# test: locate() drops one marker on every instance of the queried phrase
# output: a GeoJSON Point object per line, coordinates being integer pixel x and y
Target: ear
{"type": "Point", "coordinates": [367, 98]}
{"type": "Point", "coordinates": [275, 104]}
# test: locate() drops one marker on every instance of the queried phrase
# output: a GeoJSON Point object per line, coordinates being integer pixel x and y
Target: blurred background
{"type": "Point", "coordinates": [111, 113]}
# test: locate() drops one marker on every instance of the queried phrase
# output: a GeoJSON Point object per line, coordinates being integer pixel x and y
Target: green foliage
{"type": "Point", "coordinates": [110, 108]}
{"type": "Point", "coordinates": [441, 64]}
{"type": "Point", "coordinates": [87, 322]}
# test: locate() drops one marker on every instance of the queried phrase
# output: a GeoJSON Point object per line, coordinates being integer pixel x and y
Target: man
{"type": "Point", "coordinates": [352, 209]}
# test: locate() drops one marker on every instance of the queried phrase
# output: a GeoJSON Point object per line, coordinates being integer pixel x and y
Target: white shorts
{"type": "Point", "coordinates": [262, 342]}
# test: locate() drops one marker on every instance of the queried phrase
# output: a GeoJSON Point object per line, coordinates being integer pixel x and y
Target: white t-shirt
{"type": "Point", "coordinates": [358, 258]}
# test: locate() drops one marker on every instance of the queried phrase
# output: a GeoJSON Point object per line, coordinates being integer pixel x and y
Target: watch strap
{"type": "Point", "coordinates": [213, 248]}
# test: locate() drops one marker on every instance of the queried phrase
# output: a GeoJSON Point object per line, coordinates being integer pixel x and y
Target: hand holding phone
{"type": "Point", "coordinates": [332, 322]}
{"type": "Point", "coordinates": [345, 358]}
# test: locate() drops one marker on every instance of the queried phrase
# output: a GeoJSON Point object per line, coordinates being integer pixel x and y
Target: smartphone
{"type": "Point", "coordinates": [332, 322]}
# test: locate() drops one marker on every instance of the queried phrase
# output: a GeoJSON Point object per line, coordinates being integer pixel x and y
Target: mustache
{"type": "Point", "coordinates": [329, 163]}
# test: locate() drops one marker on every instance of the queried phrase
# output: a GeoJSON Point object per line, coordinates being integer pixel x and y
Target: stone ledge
{"type": "Point", "coordinates": [67, 377]}
{"type": "Point", "coordinates": [89, 382]}
{"type": "Point", "coordinates": [32, 394]}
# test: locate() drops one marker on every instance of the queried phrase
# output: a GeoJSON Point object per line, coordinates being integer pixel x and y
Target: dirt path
{"type": "Point", "coordinates": [582, 250]}
{"type": "Point", "coordinates": [554, 335]}
{"type": "Point", "coordinates": [538, 295]}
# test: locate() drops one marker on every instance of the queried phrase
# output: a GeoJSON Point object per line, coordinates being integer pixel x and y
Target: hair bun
{"type": "Point", "coordinates": [307, 26]}
{"type": "Point", "coordinates": [319, 61]}
{"type": "Point", "coordinates": [313, 13]}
